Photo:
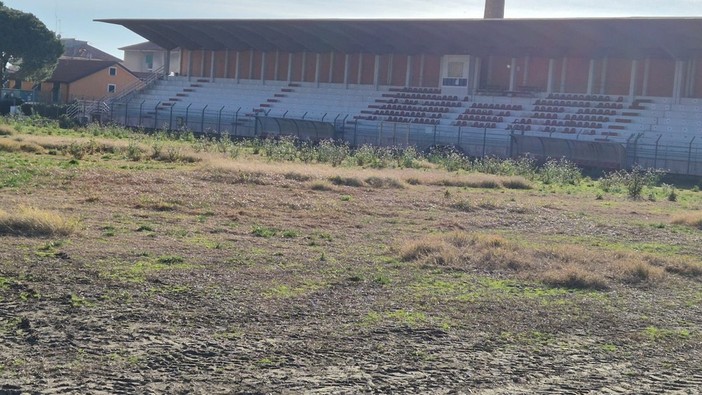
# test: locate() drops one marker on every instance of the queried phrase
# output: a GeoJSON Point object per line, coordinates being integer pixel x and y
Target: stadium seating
{"type": "Point", "coordinates": [565, 115]}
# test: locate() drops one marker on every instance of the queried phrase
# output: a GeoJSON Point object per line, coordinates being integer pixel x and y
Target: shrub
{"type": "Point", "coordinates": [281, 149]}
{"type": "Point", "coordinates": [134, 152]}
{"type": "Point", "coordinates": [633, 181]}
{"type": "Point", "coordinates": [560, 171]}
{"type": "Point", "coordinates": [329, 152]}
{"type": "Point", "coordinates": [409, 158]}
{"type": "Point", "coordinates": [33, 222]}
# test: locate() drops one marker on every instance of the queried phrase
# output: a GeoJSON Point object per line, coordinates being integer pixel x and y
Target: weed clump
{"type": "Point", "coordinates": [346, 181]}
{"type": "Point", "coordinates": [33, 222]}
{"type": "Point", "coordinates": [384, 182]}
{"type": "Point", "coordinates": [6, 130]}
{"type": "Point", "coordinates": [575, 278]}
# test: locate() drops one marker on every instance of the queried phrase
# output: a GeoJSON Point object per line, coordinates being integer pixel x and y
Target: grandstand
{"type": "Point", "coordinates": [488, 86]}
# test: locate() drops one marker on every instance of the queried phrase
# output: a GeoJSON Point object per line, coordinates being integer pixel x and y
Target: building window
{"type": "Point", "coordinates": [149, 60]}
{"type": "Point", "coordinates": [111, 88]}
{"type": "Point", "coordinates": [455, 70]}
{"type": "Point", "coordinates": [113, 71]}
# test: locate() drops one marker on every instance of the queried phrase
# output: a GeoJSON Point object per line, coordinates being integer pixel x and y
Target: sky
{"type": "Point", "coordinates": [74, 18]}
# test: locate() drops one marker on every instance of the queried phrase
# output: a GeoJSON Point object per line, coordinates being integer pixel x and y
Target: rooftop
{"type": "Point", "coordinates": [631, 37]}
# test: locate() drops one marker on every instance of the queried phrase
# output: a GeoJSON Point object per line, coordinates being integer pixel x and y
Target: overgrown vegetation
{"type": "Point", "coordinates": [34, 222]}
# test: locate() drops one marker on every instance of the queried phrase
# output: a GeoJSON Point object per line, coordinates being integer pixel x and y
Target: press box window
{"type": "Point", "coordinates": [113, 71]}
{"type": "Point", "coordinates": [455, 70]}
{"type": "Point", "coordinates": [111, 88]}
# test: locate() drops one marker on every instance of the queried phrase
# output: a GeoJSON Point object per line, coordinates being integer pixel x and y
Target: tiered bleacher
{"type": "Point", "coordinates": [412, 105]}
{"type": "Point", "coordinates": [556, 114]}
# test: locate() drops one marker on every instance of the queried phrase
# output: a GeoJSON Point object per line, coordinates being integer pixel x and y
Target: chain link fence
{"type": "Point", "coordinates": [681, 155]}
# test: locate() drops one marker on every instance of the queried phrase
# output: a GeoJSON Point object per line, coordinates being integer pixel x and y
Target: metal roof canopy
{"type": "Point", "coordinates": [623, 37]}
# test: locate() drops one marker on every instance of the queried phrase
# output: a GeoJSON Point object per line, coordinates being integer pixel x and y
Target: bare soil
{"type": "Point", "coordinates": [185, 280]}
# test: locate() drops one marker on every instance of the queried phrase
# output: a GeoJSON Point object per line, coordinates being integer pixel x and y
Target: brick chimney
{"type": "Point", "coordinates": [494, 9]}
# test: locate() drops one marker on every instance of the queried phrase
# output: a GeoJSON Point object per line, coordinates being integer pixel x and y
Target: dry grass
{"type": "Point", "coordinates": [33, 222]}
{"type": "Point", "coordinates": [517, 183]}
{"type": "Point", "coordinates": [7, 130]}
{"type": "Point", "coordinates": [321, 185]}
{"type": "Point", "coordinates": [20, 146]}
{"type": "Point", "coordinates": [634, 270]}
{"type": "Point", "coordinates": [461, 250]}
{"type": "Point", "coordinates": [384, 182]}
{"type": "Point", "coordinates": [574, 277]}
{"type": "Point", "coordinates": [681, 265]}
{"type": "Point", "coordinates": [692, 219]}
{"type": "Point", "coordinates": [569, 266]}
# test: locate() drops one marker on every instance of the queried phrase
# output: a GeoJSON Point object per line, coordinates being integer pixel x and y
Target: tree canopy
{"type": "Point", "coordinates": [25, 42]}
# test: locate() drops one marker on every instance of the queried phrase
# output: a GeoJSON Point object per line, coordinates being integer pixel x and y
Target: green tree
{"type": "Point", "coordinates": [26, 43]}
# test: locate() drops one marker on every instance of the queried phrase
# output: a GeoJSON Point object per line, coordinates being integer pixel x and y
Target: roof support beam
{"type": "Point", "coordinates": [633, 78]}
{"type": "Point", "coordinates": [647, 72]}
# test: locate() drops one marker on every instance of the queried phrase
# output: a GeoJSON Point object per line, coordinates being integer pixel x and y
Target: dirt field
{"type": "Point", "coordinates": [265, 278]}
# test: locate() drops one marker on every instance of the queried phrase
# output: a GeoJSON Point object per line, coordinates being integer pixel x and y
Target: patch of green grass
{"type": "Point", "coordinates": [609, 348]}
{"type": "Point", "coordinates": [527, 337]}
{"type": "Point", "coordinates": [290, 234]}
{"type": "Point", "coordinates": [205, 242]}
{"type": "Point", "coordinates": [5, 282]}
{"type": "Point", "coordinates": [262, 231]}
{"type": "Point", "coordinates": [109, 231]}
{"type": "Point", "coordinates": [138, 271]}
{"type": "Point", "coordinates": [145, 228]}
{"type": "Point", "coordinates": [170, 260]}
{"type": "Point", "coordinates": [80, 301]}
{"type": "Point", "coordinates": [345, 198]}
{"type": "Point", "coordinates": [653, 333]}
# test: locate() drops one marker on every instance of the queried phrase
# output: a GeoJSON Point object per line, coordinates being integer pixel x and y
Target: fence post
{"type": "Point", "coordinates": [394, 134]}
{"type": "Point", "coordinates": [187, 116]}
{"type": "Point", "coordinates": [156, 115]}
{"type": "Point", "coordinates": [126, 113]}
{"type": "Point", "coordinates": [484, 140]}
{"type": "Point", "coordinates": [458, 143]}
{"type": "Point", "coordinates": [355, 133]}
{"type": "Point", "coordinates": [202, 119]}
{"type": "Point", "coordinates": [219, 122]}
{"type": "Point", "coordinates": [434, 135]}
{"type": "Point", "coordinates": [655, 155]}
{"type": "Point", "coordinates": [236, 121]}
{"type": "Point", "coordinates": [170, 118]}
{"type": "Point", "coordinates": [141, 106]}
{"type": "Point", "coordinates": [689, 154]}
{"type": "Point", "coordinates": [380, 133]}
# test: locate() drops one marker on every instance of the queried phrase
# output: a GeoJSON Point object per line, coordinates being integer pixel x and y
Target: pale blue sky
{"type": "Point", "coordinates": [74, 18]}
